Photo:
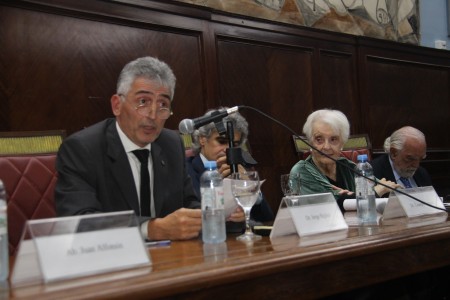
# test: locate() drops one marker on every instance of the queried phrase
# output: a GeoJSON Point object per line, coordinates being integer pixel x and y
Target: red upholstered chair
{"type": "Point", "coordinates": [356, 144]}
{"type": "Point", "coordinates": [27, 169]}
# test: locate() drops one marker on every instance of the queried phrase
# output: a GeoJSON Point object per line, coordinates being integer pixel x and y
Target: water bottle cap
{"type": "Point", "coordinates": [210, 164]}
{"type": "Point", "coordinates": [362, 157]}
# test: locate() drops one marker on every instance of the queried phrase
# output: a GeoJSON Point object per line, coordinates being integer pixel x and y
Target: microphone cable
{"type": "Point", "coordinates": [336, 161]}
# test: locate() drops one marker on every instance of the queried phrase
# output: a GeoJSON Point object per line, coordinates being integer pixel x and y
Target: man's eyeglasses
{"type": "Point", "coordinates": [224, 141]}
{"type": "Point", "coordinates": [145, 107]}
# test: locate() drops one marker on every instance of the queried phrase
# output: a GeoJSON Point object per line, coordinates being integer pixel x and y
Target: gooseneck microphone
{"type": "Point", "coordinates": [187, 126]}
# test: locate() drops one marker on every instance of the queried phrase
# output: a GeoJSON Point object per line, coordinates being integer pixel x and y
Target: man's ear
{"type": "Point", "coordinates": [116, 104]}
{"type": "Point", "coordinates": [202, 140]}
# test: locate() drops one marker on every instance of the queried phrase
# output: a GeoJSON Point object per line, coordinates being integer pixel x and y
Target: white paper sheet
{"type": "Point", "coordinates": [230, 204]}
{"type": "Point", "coordinates": [350, 204]}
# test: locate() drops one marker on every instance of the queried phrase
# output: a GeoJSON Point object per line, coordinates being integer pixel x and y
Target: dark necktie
{"type": "Point", "coordinates": [406, 182]}
{"type": "Point", "coordinates": [142, 155]}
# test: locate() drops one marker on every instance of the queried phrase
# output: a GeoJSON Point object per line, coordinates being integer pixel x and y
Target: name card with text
{"type": "Point", "coordinates": [308, 214]}
{"type": "Point", "coordinates": [70, 247]}
{"type": "Point", "coordinates": [400, 205]}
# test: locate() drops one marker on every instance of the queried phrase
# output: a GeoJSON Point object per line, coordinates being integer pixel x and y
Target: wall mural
{"type": "Point", "coordinates": [396, 20]}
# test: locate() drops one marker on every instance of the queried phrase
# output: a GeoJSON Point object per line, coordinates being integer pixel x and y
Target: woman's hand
{"type": "Point", "coordinates": [341, 191]}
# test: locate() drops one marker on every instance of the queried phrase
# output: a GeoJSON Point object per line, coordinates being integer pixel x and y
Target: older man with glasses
{"type": "Point", "coordinates": [209, 145]}
{"type": "Point", "coordinates": [405, 148]}
{"type": "Point", "coordinates": [131, 162]}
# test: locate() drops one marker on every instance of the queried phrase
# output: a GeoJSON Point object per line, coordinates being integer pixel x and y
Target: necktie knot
{"type": "Point", "coordinates": [406, 182]}
{"type": "Point", "coordinates": [142, 155]}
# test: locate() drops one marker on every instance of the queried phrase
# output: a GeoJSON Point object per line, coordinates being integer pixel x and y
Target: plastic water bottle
{"type": "Point", "coordinates": [213, 214]}
{"type": "Point", "coordinates": [365, 194]}
{"type": "Point", "coordinates": [4, 253]}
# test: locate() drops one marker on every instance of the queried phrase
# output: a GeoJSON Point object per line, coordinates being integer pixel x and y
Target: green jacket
{"type": "Point", "coordinates": [312, 181]}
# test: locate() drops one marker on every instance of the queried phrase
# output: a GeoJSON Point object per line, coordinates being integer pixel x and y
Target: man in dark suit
{"type": "Point", "coordinates": [98, 170]}
{"type": "Point", "coordinates": [209, 145]}
{"type": "Point", "coordinates": [405, 148]}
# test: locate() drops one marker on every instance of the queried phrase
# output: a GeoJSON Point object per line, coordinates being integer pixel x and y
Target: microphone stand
{"type": "Point", "coordinates": [234, 154]}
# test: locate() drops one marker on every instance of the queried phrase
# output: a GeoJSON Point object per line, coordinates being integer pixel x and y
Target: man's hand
{"type": "Point", "coordinates": [381, 190]}
{"type": "Point", "coordinates": [182, 224]}
{"type": "Point", "coordinates": [237, 216]}
{"type": "Point", "coordinates": [224, 168]}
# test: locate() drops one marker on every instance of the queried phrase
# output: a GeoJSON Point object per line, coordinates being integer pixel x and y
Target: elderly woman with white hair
{"type": "Point", "coordinates": [328, 130]}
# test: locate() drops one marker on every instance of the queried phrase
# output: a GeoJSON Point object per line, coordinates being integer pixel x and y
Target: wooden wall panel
{"type": "Point", "coordinates": [277, 81]}
{"type": "Point", "coordinates": [407, 93]}
{"type": "Point", "coordinates": [63, 70]}
{"type": "Point", "coordinates": [337, 85]}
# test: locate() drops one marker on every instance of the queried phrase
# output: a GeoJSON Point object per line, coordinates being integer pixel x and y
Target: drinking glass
{"type": "Point", "coordinates": [290, 185]}
{"type": "Point", "coordinates": [245, 189]}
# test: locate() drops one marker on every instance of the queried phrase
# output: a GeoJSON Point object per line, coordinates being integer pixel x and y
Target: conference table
{"type": "Point", "coordinates": [287, 267]}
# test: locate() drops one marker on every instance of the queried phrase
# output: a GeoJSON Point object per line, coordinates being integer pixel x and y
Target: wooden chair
{"type": "Point", "coordinates": [356, 144]}
{"type": "Point", "coordinates": [27, 169]}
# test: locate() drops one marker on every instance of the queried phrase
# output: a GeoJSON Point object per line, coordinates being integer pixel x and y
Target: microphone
{"type": "Point", "coordinates": [187, 126]}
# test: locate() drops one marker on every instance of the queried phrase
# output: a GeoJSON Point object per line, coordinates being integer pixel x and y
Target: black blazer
{"type": "Point", "coordinates": [382, 169]}
{"type": "Point", "coordinates": [94, 174]}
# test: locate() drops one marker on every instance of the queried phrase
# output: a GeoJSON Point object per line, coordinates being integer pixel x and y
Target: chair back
{"type": "Point", "coordinates": [356, 144]}
{"type": "Point", "coordinates": [27, 168]}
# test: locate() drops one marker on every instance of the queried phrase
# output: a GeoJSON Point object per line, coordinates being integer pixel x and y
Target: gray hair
{"type": "Point", "coordinates": [146, 67]}
{"type": "Point", "coordinates": [334, 118]}
{"type": "Point", "coordinates": [398, 138]}
{"type": "Point", "coordinates": [239, 125]}
{"type": "Point", "coordinates": [387, 144]}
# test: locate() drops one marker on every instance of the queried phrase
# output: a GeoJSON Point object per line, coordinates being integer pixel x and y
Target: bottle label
{"type": "Point", "coordinates": [212, 198]}
{"type": "Point", "coordinates": [364, 186]}
{"type": "Point", "coordinates": [220, 198]}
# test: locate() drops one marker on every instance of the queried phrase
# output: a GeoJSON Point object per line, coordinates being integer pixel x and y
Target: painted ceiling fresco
{"type": "Point", "coordinates": [396, 20]}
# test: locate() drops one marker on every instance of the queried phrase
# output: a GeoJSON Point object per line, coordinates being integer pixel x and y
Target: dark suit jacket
{"type": "Point", "coordinates": [382, 169]}
{"type": "Point", "coordinates": [94, 174]}
{"type": "Point", "coordinates": [260, 212]}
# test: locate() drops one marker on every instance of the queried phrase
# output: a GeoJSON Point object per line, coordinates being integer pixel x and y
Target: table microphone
{"type": "Point", "coordinates": [187, 126]}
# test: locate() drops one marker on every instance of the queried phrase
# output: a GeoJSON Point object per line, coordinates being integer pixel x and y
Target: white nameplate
{"type": "Point", "coordinates": [310, 214]}
{"type": "Point", "coordinates": [283, 224]}
{"type": "Point", "coordinates": [68, 255]}
{"type": "Point", "coordinates": [317, 218]}
{"type": "Point", "coordinates": [69, 247]}
{"type": "Point", "coordinates": [400, 205]}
